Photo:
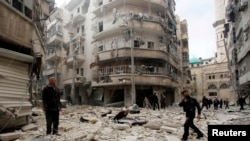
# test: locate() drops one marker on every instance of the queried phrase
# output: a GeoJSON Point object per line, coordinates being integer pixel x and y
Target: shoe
{"type": "Point", "coordinates": [199, 136]}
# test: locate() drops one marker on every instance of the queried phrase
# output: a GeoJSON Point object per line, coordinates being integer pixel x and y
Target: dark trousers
{"type": "Point", "coordinates": [190, 123]}
{"type": "Point", "coordinates": [204, 105]}
{"type": "Point", "coordinates": [241, 107]}
{"type": "Point", "coordinates": [52, 121]}
{"type": "Point", "coordinates": [156, 104]}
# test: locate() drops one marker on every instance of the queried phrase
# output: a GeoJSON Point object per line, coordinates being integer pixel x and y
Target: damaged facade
{"type": "Point", "coordinates": [136, 51]}
{"type": "Point", "coordinates": [236, 31]}
{"type": "Point", "coordinates": [22, 38]}
{"type": "Point", "coordinates": [119, 52]}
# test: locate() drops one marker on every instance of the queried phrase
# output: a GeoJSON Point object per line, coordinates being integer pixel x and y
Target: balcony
{"type": "Point", "coordinates": [146, 27]}
{"type": "Point", "coordinates": [53, 56]}
{"type": "Point", "coordinates": [21, 22]}
{"type": "Point", "coordinates": [79, 59]}
{"type": "Point", "coordinates": [125, 79]}
{"type": "Point", "coordinates": [78, 18]}
{"type": "Point", "coordinates": [244, 78]}
{"type": "Point", "coordinates": [110, 4]}
{"type": "Point", "coordinates": [51, 71]}
{"type": "Point", "coordinates": [56, 37]}
{"type": "Point", "coordinates": [242, 53]}
{"type": "Point", "coordinates": [78, 80]}
{"type": "Point", "coordinates": [126, 53]}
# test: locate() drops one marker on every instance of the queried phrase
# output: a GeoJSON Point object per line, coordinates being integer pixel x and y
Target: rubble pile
{"type": "Point", "coordinates": [93, 123]}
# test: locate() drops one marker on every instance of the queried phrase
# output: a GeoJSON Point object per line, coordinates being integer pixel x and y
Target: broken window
{"type": "Point", "coordinates": [77, 70]}
{"type": "Point", "coordinates": [81, 71]}
{"type": "Point", "coordinates": [136, 43]}
{"type": "Point", "coordinates": [150, 44]}
{"type": "Point", "coordinates": [100, 48]}
{"type": "Point", "coordinates": [28, 12]}
{"type": "Point", "coordinates": [82, 29]}
{"type": "Point", "coordinates": [100, 26]}
{"type": "Point", "coordinates": [18, 4]}
{"type": "Point", "coordinates": [77, 30]}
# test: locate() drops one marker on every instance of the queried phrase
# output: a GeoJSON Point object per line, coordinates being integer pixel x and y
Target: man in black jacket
{"type": "Point", "coordinates": [189, 105]}
{"type": "Point", "coordinates": [155, 101]}
{"type": "Point", "coordinates": [51, 106]}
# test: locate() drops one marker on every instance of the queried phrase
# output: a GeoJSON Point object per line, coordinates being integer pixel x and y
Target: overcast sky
{"type": "Point", "coordinates": [200, 16]}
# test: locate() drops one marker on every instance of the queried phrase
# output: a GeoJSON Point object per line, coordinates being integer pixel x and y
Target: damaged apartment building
{"type": "Point", "coordinates": [237, 32]}
{"type": "Point", "coordinates": [22, 41]}
{"type": "Point", "coordinates": [117, 52]}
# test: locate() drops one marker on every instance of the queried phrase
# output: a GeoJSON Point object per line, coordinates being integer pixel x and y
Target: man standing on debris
{"type": "Point", "coordinates": [189, 105]}
{"type": "Point", "coordinates": [155, 101]}
{"type": "Point", "coordinates": [242, 102]}
{"type": "Point", "coordinates": [51, 106]}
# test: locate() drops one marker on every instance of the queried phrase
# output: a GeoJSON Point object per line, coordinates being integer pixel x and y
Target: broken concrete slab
{"type": "Point", "coordinates": [9, 136]}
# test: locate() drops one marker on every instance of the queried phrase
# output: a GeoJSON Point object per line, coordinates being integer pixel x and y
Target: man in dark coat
{"type": "Point", "coordinates": [51, 106]}
{"type": "Point", "coordinates": [189, 105]}
{"type": "Point", "coordinates": [204, 102]}
{"type": "Point", "coordinates": [241, 102]}
{"type": "Point", "coordinates": [155, 101]}
{"type": "Point", "coordinates": [216, 103]}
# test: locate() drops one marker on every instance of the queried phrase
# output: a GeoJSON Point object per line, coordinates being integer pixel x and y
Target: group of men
{"type": "Point", "coordinates": [52, 107]}
{"type": "Point", "coordinates": [216, 103]}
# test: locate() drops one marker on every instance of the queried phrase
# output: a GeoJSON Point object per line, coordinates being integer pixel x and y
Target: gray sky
{"type": "Point", "coordinates": [200, 16]}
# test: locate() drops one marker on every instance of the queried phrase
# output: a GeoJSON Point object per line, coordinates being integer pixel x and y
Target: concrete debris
{"type": "Point", "coordinates": [163, 125]}
{"type": "Point", "coordinates": [9, 136]}
{"type": "Point", "coordinates": [29, 127]}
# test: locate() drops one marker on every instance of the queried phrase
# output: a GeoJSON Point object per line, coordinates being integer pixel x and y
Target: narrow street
{"type": "Point", "coordinates": [163, 125]}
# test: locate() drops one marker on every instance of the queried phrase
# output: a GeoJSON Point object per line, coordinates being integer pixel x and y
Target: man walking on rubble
{"type": "Point", "coordinates": [241, 102]}
{"type": "Point", "coordinates": [189, 105]}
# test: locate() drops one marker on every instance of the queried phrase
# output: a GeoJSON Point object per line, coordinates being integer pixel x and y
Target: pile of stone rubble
{"type": "Point", "coordinates": [97, 124]}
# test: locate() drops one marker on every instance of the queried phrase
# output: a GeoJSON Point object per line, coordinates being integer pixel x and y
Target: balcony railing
{"type": "Point", "coordinates": [78, 58]}
{"type": "Point", "coordinates": [51, 71]}
{"type": "Point", "coordinates": [103, 73]}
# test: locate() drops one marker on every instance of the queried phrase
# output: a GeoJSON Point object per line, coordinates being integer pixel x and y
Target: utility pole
{"type": "Point", "coordinates": [132, 67]}
{"type": "Point", "coordinates": [74, 69]}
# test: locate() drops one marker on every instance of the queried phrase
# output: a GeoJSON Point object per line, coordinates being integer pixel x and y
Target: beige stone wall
{"type": "Point", "coordinates": [14, 27]}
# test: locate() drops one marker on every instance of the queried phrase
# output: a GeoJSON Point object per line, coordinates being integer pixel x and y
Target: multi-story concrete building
{"type": "Point", "coordinates": [136, 51]}
{"type": "Point", "coordinates": [119, 52]}
{"type": "Point", "coordinates": [182, 34]}
{"type": "Point", "coordinates": [22, 38]}
{"type": "Point", "coordinates": [75, 71]}
{"type": "Point", "coordinates": [237, 32]}
{"type": "Point", "coordinates": [54, 48]}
